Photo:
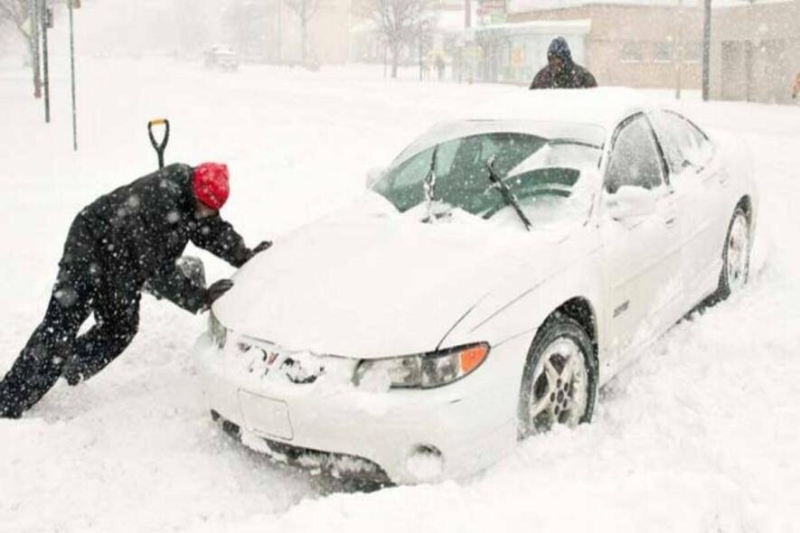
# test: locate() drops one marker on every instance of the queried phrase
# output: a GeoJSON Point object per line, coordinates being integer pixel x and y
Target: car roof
{"type": "Point", "coordinates": [603, 107]}
{"type": "Point", "coordinates": [584, 115]}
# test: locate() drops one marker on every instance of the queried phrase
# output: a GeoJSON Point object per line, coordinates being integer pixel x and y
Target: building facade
{"type": "Point", "coordinates": [632, 45]}
{"type": "Point", "coordinates": [755, 48]}
{"type": "Point", "coordinates": [756, 52]}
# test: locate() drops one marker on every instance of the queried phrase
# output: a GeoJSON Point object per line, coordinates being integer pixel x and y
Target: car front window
{"type": "Point", "coordinates": [533, 167]}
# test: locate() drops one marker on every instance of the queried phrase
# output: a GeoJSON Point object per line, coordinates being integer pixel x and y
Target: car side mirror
{"type": "Point", "coordinates": [631, 202]}
{"type": "Point", "coordinates": [374, 175]}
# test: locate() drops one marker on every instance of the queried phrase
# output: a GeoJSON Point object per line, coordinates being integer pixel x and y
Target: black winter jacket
{"type": "Point", "coordinates": [570, 76]}
{"type": "Point", "coordinates": [139, 230]}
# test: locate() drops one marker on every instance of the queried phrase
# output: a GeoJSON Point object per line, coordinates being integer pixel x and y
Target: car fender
{"type": "Point", "coordinates": [515, 311]}
{"type": "Point", "coordinates": [737, 159]}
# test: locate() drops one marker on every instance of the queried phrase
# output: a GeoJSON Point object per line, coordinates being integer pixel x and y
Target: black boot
{"type": "Point", "coordinates": [10, 413]}
{"type": "Point", "coordinates": [72, 372]}
{"type": "Point", "coordinates": [8, 408]}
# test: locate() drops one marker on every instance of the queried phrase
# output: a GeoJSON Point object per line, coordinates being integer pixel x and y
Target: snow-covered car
{"type": "Point", "coordinates": [491, 279]}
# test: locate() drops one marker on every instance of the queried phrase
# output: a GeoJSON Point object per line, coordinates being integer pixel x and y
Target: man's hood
{"type": "Point", "coordinates": [560, 48]}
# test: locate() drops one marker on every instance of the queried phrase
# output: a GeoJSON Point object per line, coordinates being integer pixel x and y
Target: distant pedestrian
{"type": "Point", "coordinates": [440, 67]}
{"type": "Point", "coordinates": [561, 71]}
{"type": "Point", "coordinates": [796, 86]}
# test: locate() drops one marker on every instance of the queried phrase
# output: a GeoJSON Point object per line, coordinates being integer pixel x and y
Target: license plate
{"type": "Point", "coordinates": [266, 416]}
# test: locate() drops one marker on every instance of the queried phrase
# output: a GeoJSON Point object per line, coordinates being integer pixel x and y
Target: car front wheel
{"type": "Point", "coordinates": [735, 255]}
{"type": "Point", "coordinates": [559, 384]}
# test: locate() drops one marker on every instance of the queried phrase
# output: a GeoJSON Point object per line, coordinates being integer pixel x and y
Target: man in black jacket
{"type": "Point", "coordinates": [561, 71]}
{"type": "Point", "coordinates": [122, 241]}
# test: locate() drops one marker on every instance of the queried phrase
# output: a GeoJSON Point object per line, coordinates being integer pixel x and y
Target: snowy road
{"type": "Point", "coordinates": [701, 435]}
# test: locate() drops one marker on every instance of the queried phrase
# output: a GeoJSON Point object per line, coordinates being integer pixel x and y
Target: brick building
{"type": "Point", "coordinates": [755, 48]}
{"type": "Point", "coordinates": [756, 52]}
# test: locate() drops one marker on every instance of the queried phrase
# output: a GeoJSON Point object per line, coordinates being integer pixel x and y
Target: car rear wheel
{"type": "Point", "coordinates": [735, 255]}
{"type": "Point", "coordinates": [559, 384]}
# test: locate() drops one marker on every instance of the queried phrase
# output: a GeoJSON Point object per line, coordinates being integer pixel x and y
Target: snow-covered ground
{"type": "Point", "coordinates": [700, 435]}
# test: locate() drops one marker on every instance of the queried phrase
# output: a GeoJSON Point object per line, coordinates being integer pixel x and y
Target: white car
{"type": "Point", "coordinates": [492, 278]}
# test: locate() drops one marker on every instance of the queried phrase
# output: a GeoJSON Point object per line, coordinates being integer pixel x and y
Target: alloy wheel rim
{"type": "Point", "coordinates": [559, 389]}
{"type": "Point", "coordinates": [738, 254]}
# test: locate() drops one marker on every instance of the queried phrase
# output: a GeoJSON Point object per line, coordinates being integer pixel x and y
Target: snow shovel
{"type": "Point", "coordinates": [189, 267]}
{"type": "Point", "coordinates": [159, 147]}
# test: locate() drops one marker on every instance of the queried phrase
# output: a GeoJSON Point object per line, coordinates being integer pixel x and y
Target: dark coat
{"type": "Point", "coordinates": [569, 76]}
{"type": "Point", "coordinates": [137, 232]}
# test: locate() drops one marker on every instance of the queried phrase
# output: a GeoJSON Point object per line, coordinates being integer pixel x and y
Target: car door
{"type": "Point", "coordinates": [697, 178]}
{"type": "Point", "coordinates": [641, 250]}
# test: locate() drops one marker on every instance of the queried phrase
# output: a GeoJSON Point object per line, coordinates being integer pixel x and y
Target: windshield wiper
{"type": "Point", "coordinates": [506, 193]}
{"type": "Point", "coordinates": [429, 186]}
{"type": "Point", "coordinates": [430, 180]}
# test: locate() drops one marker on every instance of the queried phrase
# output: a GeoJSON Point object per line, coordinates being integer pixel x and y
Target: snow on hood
{"type": "Point", "coordinates": [359, 284]}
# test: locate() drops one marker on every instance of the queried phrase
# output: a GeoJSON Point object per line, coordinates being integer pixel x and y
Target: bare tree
{"type": "Point", "coordinates": [305, 10]}
{"type": "Point", "coordinates": [399, 22]}
{"type": "Point", "coordinates": [19, 14]}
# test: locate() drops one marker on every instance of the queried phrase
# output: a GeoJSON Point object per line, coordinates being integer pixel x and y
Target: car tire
{"type": "Point", "coordinates": [559, 383]}
{"type": "Point", "coordinates": [735, 255]}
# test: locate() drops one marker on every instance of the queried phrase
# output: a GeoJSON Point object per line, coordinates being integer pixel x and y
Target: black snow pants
{"type": "Point", "coordinates": [84, 286]}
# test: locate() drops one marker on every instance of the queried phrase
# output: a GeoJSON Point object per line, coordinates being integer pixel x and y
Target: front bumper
{"type": "Point", "coordinates": [411, 436]}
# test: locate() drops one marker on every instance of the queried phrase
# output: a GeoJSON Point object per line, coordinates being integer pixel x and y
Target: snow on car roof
{"type": "Point", "coordinates": [584, 115]}
{"type": "Point", "coordinates": [602, 106]}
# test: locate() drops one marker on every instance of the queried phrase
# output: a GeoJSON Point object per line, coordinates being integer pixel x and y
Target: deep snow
{"type": "Point", "coordinates": [700, 435]}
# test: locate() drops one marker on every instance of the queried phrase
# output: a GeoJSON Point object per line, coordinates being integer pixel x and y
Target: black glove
{"type": "Point", "coordinates": [216, 290]}
{"type": "Point", "coordinates": [262, 247]}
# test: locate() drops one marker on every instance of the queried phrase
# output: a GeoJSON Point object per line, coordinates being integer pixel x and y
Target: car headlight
{"type": "Point", "coordinates": [422, 371]}
{"type": "Point", "coordinates": [217, 332]}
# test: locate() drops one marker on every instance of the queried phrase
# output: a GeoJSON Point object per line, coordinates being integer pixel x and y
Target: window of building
{"type": "Point", "coordinates": [664, 52]}
{"type": "Point", "coordinates": [632, 52]}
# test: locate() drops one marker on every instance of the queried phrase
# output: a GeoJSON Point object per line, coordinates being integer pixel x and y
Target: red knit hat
{"type": "Point", "coordinates": [210, 184]}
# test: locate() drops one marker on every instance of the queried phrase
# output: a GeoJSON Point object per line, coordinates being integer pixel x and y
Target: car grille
{"type": "Point", "coordinates": [335, 465]}
{"type": "Point", "coordinates": [265, 358]}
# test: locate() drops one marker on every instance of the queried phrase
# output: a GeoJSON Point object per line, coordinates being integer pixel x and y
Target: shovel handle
{"type": "Point", "coordinates": [159, 147]}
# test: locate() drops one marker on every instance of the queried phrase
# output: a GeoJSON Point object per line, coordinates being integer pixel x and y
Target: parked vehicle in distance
{"type": "Point", "coordinates": [491, 279]}
{"type": "Point", "coordinates": [222, 58]}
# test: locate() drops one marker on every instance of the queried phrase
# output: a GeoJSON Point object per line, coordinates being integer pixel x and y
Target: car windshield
{"type": "Point", "coordinates": [537, 171]}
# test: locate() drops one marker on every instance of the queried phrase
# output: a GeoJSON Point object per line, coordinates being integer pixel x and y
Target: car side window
{"type": "Point", "coordinates": [684, 145]}
{"type": "Point", "coordinates": [635, 160]}
{"type": "Point", "coordinates": [699, 150]}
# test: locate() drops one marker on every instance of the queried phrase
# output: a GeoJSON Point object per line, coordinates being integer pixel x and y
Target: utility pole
{"type": "Point", "coordinates": [37, 61]}
{"type": "Point", "coordinates": [280, 32]}
{"type": "Point", "coordinates": [45, 18]}
{"type": "Point", "coordinates": [72, 73]}
{"type": "Point", "coordinates": [680, 52]}
{"type": "Point", "coordinates": [419, 53]}
{"type": "Point", "coordinates": [707, 50]}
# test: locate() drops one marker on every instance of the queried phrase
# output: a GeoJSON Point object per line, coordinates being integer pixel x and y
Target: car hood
{"type": "Point", "coordinates": [363, 285]}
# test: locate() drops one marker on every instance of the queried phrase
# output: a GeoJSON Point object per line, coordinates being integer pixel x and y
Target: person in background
{"type": "Point", "coordinates": [127, 240]}
{"type": "Point", "coordinates": [440, 67]}
{"type": "Point", "coordinates": [561, 71]}
{"type": "Point", "coordinates": [796, 86]}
